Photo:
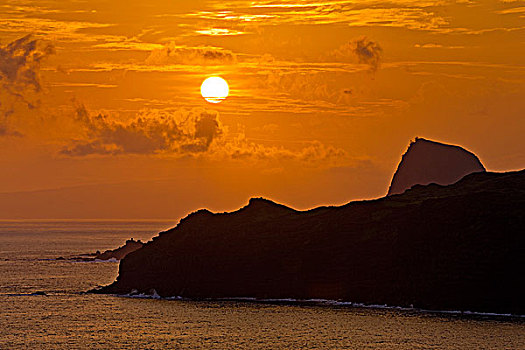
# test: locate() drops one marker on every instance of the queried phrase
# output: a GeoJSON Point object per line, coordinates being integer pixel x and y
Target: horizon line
{"type": "Point", "coordinates": [87, 219]}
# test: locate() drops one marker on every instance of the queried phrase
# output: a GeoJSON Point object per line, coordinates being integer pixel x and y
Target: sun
{"type": "Point", "coordinates": [214, 89]}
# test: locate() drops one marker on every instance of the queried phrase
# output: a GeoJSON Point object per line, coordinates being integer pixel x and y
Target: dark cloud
{"type": "Point", "coordinates": [152, 133]}
{"type": "Point", "coordinates": [20, 63]}
{"type": "Point", "coordinates": [20, 80]}
{"type": "Point", "coordinates": [366, 51]}
{"type": "Point", "coordinates": [5, 130]}
{"type": "Point", "coordinates": [173, 54]}
{"type": "Point", "coordinates": [195, 133]}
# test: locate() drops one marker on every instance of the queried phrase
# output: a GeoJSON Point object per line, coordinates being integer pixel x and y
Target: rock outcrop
{"type": "Point", "coordinates": [121, 252]}
{"type": "Point", "coordinates": [456, 247]}
{"type": "Point", "coordinates": [428, 162]}
{"type": "Point", "coordinates": [115, 254]}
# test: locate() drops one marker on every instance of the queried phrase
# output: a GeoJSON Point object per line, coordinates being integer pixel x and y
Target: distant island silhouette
{"type": "Point", "coordinates": [448, 246]}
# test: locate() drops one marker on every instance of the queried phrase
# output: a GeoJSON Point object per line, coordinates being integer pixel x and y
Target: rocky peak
{"type": "Point", "coordinates": [428, 161]}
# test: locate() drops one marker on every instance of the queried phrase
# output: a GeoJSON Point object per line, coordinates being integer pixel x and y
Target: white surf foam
{"type": "Point", "coordinates": [327, 302]}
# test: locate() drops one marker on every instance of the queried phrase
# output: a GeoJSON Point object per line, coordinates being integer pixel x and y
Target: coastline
{"type": "Point", "coordinates": [326, 303]}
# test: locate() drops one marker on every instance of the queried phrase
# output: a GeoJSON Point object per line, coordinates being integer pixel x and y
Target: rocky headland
{"type": "Point", "coordinates": [443, 247]}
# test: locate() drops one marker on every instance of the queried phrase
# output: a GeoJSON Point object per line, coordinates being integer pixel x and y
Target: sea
{"type": "Point", "coordinates": [43, 305]}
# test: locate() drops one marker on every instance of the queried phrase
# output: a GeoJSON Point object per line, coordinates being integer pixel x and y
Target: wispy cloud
{"type": "Point", "coordinates": [409, 14]}
{"type": "Point", "coordinates": [81, 85]}
{"type": "Point", "coordinates": [364, 50]}
{"type": "Point", "coordinates": [513, 10]}
{"type": "Point", "coordinates": [219, 32]}
{"type": "Point", "coordinates": [20, 63]}
{"type": "Point", "coordinates": [437, 46]}
{"type": "Point", "coordinates": [5, 129]}
{"type": "Point", "coordinates": [176, 54]}
{"type": "Point", "coordinates": [60, 30]}
{"type": "Point", "coordinates": [124, 44]}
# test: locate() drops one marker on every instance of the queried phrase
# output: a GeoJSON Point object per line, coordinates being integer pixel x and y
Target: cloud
{"type": "Point", "coordinates": [20, 62]}
{"type": "Point", "coordinates": [366, 51]}
{"type": "Point", "coordinates": [148, 133]}
{"type": "Point", "coordinates": [174, 54]}
{"type": "Point", "coordinates": [220, 32]}
{"type": "Point", "coordinates": [197, 133]}
{"type": "Point", "coordinates": [313, 154]}
{"type": "Point", "coordinates": [514, 10]}
{"type": "Point", "coordinates": [437, 46]}
{"type": "Point", "coordinates": [306, 86]}
{"type": "Point", "coordinates": [411, 14]}
{"type": "Point", "coordinates": [5, 129]}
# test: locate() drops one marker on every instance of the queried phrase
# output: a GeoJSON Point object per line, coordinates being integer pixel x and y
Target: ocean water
{"type": "Point", "coordinates": [66, 318]}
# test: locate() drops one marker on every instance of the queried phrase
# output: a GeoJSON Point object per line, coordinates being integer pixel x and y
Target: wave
{"type": "Point", "coordinates": [37, 293]}
{"type": "Point", "coordinates": [324, 302]}
{"type": "Point", "coordinates": [74, 260]}
{"type": "Point", "coordinates": [112, 260]}
{"type": "Point", "coordinates": [152, 295]}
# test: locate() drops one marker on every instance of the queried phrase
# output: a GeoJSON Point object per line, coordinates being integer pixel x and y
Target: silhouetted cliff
{"type": "Point", "coordinates": [455, 247]}
{"type": "Point", "coordinates": [428, 162]}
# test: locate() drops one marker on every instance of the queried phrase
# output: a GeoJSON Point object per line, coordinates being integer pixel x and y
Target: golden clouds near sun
{"type": "Point", "coordinates": [214, 89]}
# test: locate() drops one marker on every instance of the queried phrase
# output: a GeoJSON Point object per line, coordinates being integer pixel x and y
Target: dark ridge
{"type": "Point", "coordinates": [455, 247]}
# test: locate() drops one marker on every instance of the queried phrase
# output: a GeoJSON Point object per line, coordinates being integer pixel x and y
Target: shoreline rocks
{"type": "Point", "coordinates": [111, 254]}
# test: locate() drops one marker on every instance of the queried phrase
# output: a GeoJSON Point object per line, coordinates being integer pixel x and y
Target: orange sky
{"type": "Point", "coordinates": [101, 114]}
